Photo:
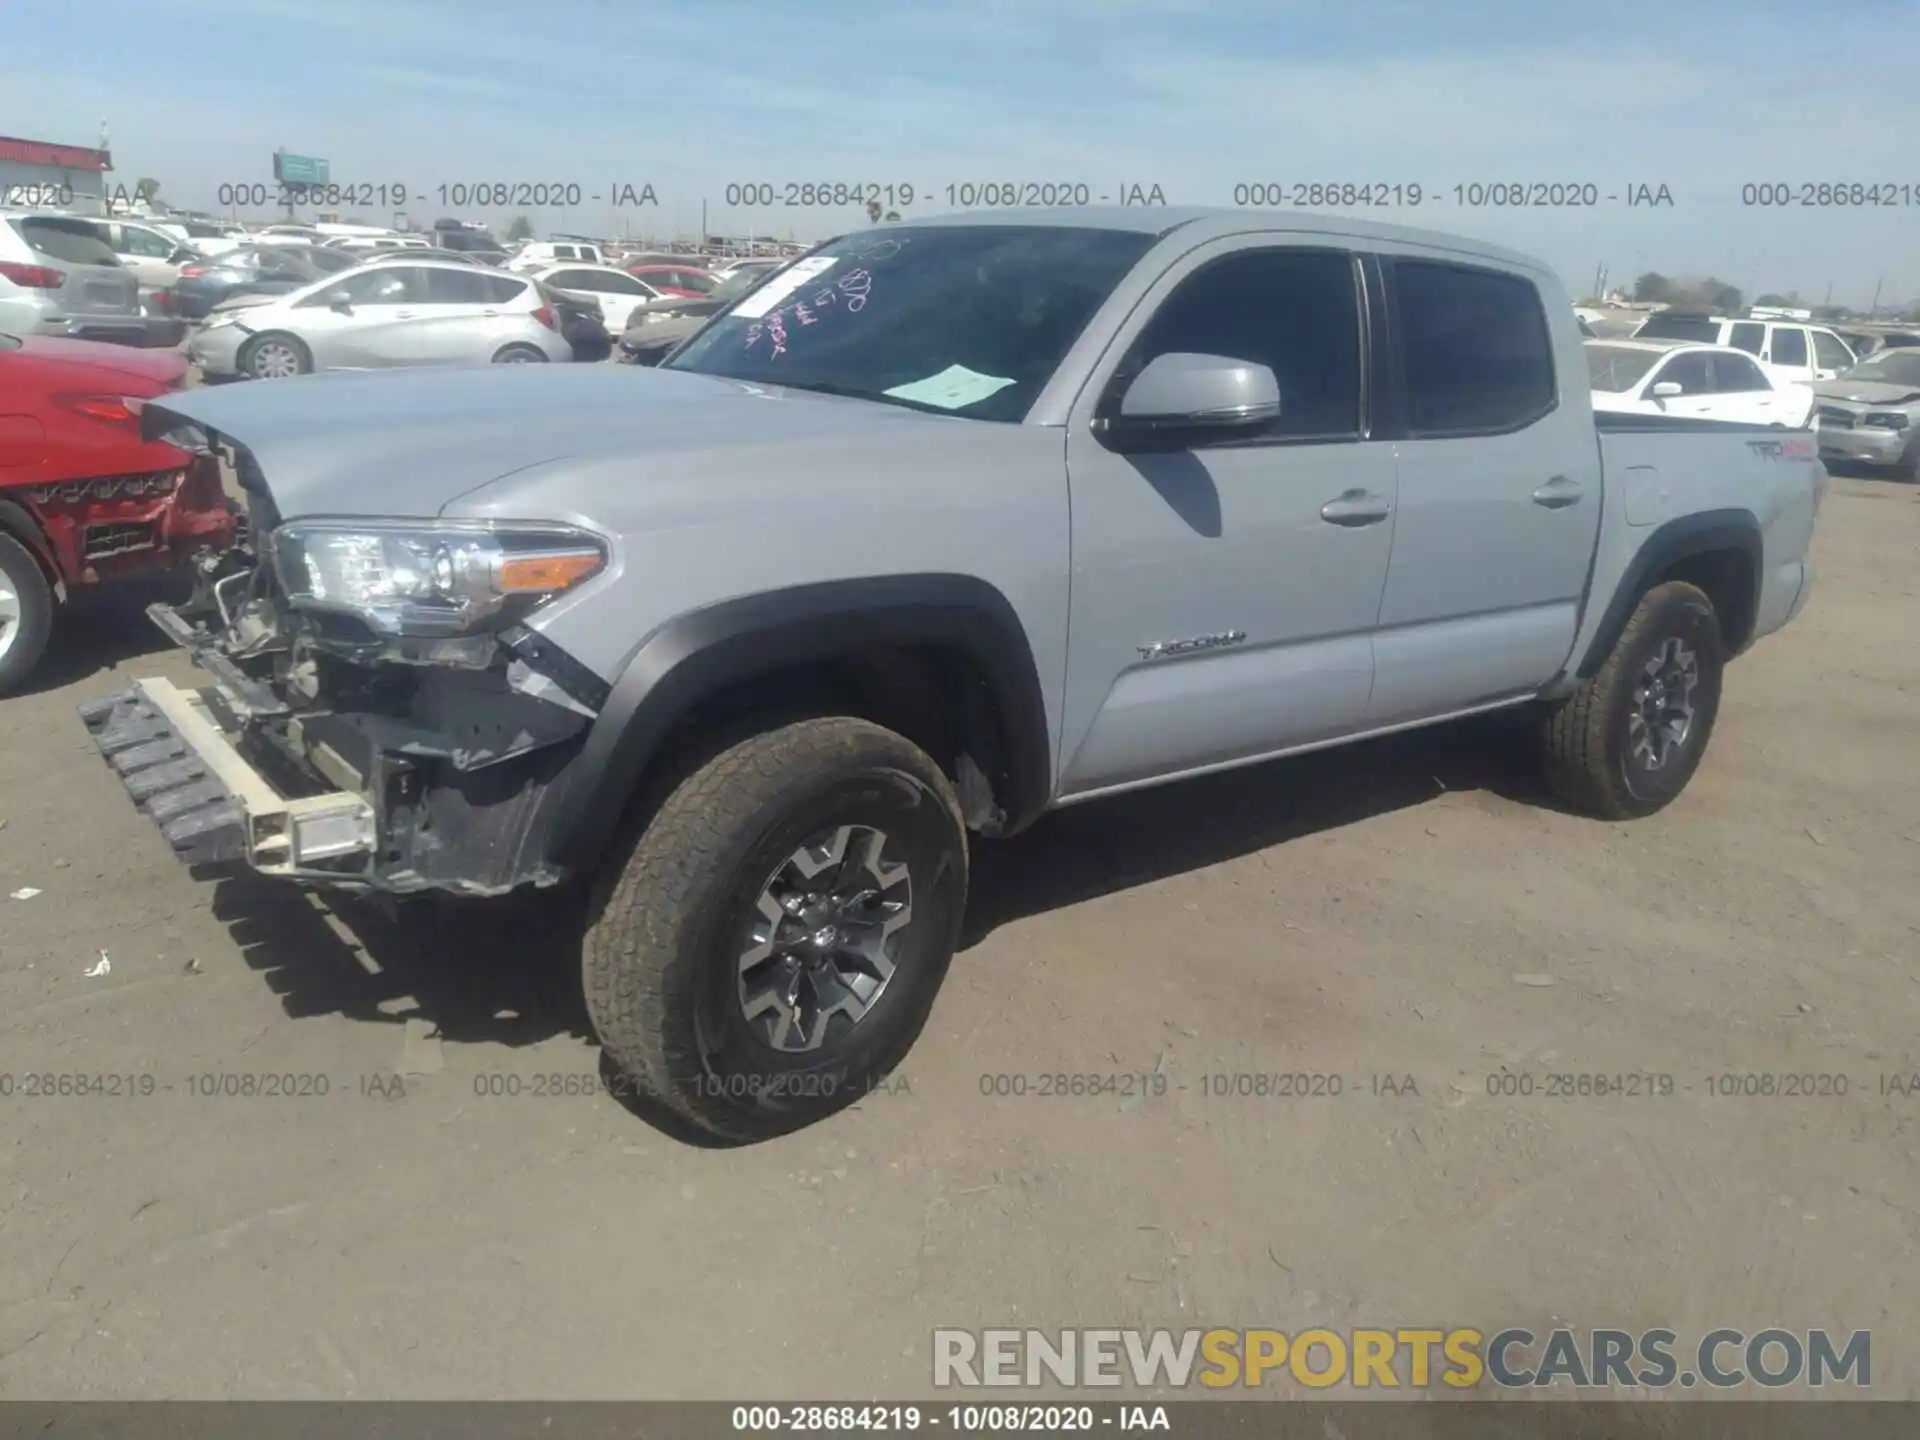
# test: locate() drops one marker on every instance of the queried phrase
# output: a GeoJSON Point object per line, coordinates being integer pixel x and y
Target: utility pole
{"type": "Point", "coordinates": [1873, 310]}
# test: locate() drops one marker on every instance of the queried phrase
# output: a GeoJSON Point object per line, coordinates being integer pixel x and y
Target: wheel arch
{"type": "Point", "coordinates": [18, 522]}
{"type": "Point", "coordinates": [946, 649]}
{"type": "Point", "coordinates": [1721, 551]}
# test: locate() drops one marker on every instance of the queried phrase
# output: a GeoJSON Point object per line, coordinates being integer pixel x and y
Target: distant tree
{"type": "Point", "coordinates": [148, 189]}
{"type": "Point", "coordinates": [519, 228]}
{"type": "Point", "coordinates": [875, 214]}
{"type": "Point", "coordinates": [1652, 288]}
{"type": "Point", "coordinates": [1770, 298]}
{"type": "Point", "coordinates": [1722, 298]}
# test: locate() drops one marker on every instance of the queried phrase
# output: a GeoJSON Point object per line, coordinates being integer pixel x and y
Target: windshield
{"type": "Point", "coordinates": [966, 320]}
{"type": "Point", "coordinates": [1895, 367]}
{"type": "Point", "coordinates": [1617, 368]}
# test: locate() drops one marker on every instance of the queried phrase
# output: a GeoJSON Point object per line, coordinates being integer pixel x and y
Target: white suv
{"type": "Point", "coordinates": [1789, 351]}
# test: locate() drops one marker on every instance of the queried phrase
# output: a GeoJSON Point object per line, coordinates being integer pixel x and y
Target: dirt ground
{"type": "Point", "coordinates": [1404, 909]}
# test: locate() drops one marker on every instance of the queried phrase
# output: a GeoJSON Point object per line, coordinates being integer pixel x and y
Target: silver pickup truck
{"type": "Point", "coordinates": [948, 524]}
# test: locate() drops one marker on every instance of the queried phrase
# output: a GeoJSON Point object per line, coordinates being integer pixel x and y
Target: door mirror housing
{"type": "Point", "coordinates": [340, 302]}
{"type": "Point", "coordinates": [1667, 389]}
{"type": "Point", "coordinates": [1185, 395]}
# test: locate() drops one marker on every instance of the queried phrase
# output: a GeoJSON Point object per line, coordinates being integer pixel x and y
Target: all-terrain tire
{"type": "Point", "coordinates": [674, 914]}
{"type": "Point", "coordinates": [26, 613]}
{"type": "Point", "coordinates": [1589, 741]}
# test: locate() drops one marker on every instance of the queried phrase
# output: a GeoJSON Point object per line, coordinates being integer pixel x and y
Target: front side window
{"type": "Point", "coordinates": [1737, 375]}
{"type": "Point", "coordinates": [135, 241]}
{"type": "Point", "coordinates": [1830, 352]}
{"type": "Point", "coordinates": [964, 320]}
{"type": "Point", "coordinates": [1689, 372]}
{"type": "Point", "coordinates": [1295, 311]}
{"type": "Point", "coordinates": [1789, 347]}
{"type": "Point", "coordinates": [1616, 369]}
{"type": "Point", "coordinates": [387, 285]}
{"type": "Point", "coordinates": [1477, 352]}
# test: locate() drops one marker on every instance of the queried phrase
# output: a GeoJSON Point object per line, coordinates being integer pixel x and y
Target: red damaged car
{"type": "Point", "coordinates": [85, 501]}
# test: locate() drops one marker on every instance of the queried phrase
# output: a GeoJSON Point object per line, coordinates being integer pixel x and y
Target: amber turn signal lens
{"type": "Point", "coordinates": [542, 574]}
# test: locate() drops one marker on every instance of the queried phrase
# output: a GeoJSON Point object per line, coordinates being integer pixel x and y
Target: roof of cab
{"type": "Point", "coordinates": [1203, 223]}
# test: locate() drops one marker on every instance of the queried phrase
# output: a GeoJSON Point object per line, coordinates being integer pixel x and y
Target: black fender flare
{"type": "Point", "coordinates": [696, 654]}
{"type": "Point", "coordinates": [1677, 540]}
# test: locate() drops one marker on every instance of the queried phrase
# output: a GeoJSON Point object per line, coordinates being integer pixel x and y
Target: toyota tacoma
{"type": "Point", "coordinates": [948, 524]}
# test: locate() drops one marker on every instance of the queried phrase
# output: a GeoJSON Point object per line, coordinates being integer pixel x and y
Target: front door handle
{"type": "Point", "coordinates": [1558, 493]}
{"type": "Point", "coordinates": [1356, 507]}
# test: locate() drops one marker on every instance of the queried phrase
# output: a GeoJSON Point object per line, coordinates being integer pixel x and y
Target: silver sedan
{"type": "Point", "coordinates": [433, 312]}
{"type": "Point", "coordinates": [1871, 413]}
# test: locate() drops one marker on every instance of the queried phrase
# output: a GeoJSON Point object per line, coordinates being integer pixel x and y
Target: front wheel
{"type": "Point", "coordinates": [1629, 739]}
{"type": "Point", "coordinates": [26, 613]}
{"type": "Point", "coordinates": [275, 357]}
{"type": "Point", "coordinates": [766, 950]}
{"type": "Point", "coordinates": [520, 355]}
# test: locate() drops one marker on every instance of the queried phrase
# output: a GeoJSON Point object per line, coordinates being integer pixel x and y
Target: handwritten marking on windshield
{"type": "Point", "coordinates": [852, 290]}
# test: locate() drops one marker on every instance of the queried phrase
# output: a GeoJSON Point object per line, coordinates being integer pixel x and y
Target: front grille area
{"type": "Point", "coordinates": [148, 486]}
{"type": "Point", "coordinates": [102, 542]}
{"type": "Point", "coordinates": [1834, 418]}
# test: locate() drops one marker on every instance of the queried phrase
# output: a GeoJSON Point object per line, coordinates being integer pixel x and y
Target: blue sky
{"type": "Point", "coordinates": [1194, 95]}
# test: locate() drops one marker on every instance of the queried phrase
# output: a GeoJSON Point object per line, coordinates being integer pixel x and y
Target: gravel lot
{"type": "Point", "coordinates": [1406, 909]}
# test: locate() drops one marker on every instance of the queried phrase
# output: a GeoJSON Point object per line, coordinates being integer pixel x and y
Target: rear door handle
{"type": "Point", "coordinates": [1356, 507]}
{"type": "Point", "coordinates": [1558, 493]}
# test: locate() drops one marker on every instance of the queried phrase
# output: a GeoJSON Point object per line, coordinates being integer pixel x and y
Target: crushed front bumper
{"type": "Point", "coordinates": [173, 752]}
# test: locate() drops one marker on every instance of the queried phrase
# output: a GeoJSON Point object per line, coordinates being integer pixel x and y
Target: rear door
{"type": "Point", "coordinates": [1499, 486]}
{"type": "Point", "coordinates": [452, 321]}
{"type": "Point", "coordinates": [1788, 359]}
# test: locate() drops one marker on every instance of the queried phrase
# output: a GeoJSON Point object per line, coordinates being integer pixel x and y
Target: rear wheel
{"type": "Point", "coordinates": [768, 947]}
{"type": "Point", "coordinates": [1629, 739]}
{"type": "Point", "coordinates": [520, 355]}
{"type": "Point", "coordinates": [275, 357]}
{"type": "Point", "coordinates": [26, 613]}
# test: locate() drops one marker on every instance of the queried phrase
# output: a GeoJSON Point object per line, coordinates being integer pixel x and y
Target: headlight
{"type": "Point", "coordinates": [1886, 420]}
{"type": "Point", "coordinates": [429, 579]}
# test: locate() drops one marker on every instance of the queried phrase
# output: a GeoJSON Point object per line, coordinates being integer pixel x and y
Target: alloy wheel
{"type": "Point", "coordinates": [1662, 714]}
{"type": "Point", "coordinates": [822, 940]}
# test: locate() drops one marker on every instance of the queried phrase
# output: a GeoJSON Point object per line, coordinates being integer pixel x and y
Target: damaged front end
{"type": "Point", "coordinates": [379, 715]}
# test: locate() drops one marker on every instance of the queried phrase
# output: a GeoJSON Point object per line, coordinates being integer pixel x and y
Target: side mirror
{"type": "Point", "coordinates": [1186, 392]}
{"type": "Point", "coordinates": [1667, 389]}
{"type": "Point", "coordinates": [340, 302]}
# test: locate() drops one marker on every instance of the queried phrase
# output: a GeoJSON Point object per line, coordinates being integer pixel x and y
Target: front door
{"type": "Point", "coordinates": [1263, 556]}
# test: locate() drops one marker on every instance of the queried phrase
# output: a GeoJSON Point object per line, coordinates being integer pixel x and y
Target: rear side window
{"type": "Point", "coordinates": [1831, 354]}
{"type": "Point", "coordinates": [74, 241]}
{"type": "Point", "coordinates": [1789, 347]}
{"type": "Point", "coordinates": [1293, 311]}
{"type": "Point", "coordinates": [501, 289]}
{"type": "Point", "coordinates": [1476, 351]}
{"type": "Point", "coordinates": [1748, 335]}
{"type": "Point", "coordinates": [455, 287]}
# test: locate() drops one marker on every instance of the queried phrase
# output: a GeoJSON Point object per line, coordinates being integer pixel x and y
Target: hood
{"type": "Point", "coordinates": [157, 369]}
{"type": "Point", "coordinates": [408, 443]}
{"type": "Point", "coordinates": [1868, 392]}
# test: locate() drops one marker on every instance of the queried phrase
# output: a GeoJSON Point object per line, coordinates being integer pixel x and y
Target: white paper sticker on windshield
{"type": "Point", "coordinates": [770, 295]}
{"type": "Point", "coordinates": [953, 388]}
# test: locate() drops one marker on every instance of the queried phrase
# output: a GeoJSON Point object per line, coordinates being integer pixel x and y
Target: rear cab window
{"type": "Point", "coordinates": [1476, 351]}
{"type": "Point", "coordinates": [78, 242]}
